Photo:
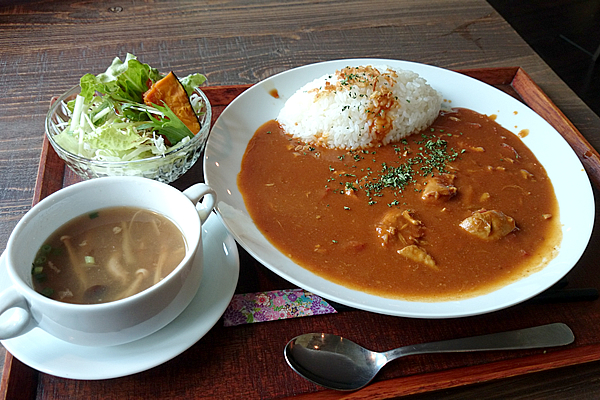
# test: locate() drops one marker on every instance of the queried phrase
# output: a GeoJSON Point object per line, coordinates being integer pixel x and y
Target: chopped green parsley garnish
{"type": "Point", "coordinates": [432, 158]}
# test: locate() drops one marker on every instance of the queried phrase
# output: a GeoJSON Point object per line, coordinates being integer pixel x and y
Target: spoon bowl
{"type": "Point", "coordinates": [338, 363]}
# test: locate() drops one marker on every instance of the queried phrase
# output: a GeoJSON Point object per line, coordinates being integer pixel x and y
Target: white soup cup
{"type": "Point", "coordinates": [120, 321]}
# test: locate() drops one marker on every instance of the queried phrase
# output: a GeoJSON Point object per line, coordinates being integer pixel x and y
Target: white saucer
{"type": "Point", "coordinates": [47, 354]}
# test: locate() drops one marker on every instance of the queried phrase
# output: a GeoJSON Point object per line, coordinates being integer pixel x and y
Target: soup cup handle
{"type": "Point", "coordinates": [201, 191]}
{"type": "Point", "coordinates": [14, 324]}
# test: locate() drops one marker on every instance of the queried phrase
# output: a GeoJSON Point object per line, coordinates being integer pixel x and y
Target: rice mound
{"type": "Point", "coordinates": [360, 107]}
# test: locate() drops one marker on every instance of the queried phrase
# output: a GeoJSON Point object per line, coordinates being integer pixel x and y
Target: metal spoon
{"type": "Point", "coordinates": [337, 363]}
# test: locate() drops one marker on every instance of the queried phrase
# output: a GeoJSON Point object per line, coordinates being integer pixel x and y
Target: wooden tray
{"type": "Point", "coordinates": [247, 361]}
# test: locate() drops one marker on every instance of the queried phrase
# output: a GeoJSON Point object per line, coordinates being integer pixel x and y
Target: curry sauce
{"type": "Point", "coordinates": [453, 212]}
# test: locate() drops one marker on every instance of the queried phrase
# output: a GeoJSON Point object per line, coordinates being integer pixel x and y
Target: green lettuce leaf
{"type": "Point", "coordinates": [170, 126]}
{"type": "Point", "coordinates": [123, 80]}
{"type": "Point", "coordinates": [191, 81]}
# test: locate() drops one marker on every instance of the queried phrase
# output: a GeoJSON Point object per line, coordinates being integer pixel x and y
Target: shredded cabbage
{"type": "Point", "coordinates": [110, 122]}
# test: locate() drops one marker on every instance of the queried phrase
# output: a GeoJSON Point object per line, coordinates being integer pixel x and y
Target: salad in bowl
{"type": "Point", "coordinates": [131, 120]}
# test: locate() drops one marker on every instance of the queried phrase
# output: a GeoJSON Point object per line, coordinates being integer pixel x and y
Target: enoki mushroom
{"type": "Point", "coordinates": [135, 286]}
{"type": "Point", "coordinates": [75, 260]}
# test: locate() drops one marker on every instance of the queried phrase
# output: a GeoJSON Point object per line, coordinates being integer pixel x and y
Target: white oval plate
{"type": "Point", "coordinates": [238, 122]}
{"type": "Point", "coordinates": [50, 355]}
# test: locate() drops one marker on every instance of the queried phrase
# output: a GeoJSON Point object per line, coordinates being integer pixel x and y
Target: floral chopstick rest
{"type": "Point", "coordinates": [248, 308]}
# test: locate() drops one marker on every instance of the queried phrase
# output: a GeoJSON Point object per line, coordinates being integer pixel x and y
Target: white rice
{"type": "Point", "coordinates": [360, 107]}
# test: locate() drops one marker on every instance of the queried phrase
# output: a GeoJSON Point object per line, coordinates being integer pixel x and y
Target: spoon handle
{"type": "Point", "coordinates": [556, 334]}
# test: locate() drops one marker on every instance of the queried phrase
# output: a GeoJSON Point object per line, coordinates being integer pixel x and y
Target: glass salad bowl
{"type": "Point", "coordinates": [165, 167]}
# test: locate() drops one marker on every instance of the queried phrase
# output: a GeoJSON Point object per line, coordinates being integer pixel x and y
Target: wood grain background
{"type": "Point", "coordinates": [45, 46]}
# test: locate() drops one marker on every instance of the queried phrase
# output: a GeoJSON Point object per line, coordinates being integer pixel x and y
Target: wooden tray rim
{"type": "Point", "coordinates": [20, 381]}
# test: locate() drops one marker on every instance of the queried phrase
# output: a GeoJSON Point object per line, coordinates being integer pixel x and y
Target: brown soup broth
{"type": "Point", "coordinates": [107, 255]}
{"type": "Point", "coordinates": [323, 207]}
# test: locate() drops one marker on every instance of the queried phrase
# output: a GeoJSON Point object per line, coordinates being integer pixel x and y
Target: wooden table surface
{"type": "Point", "coordinates": [45, 46]}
